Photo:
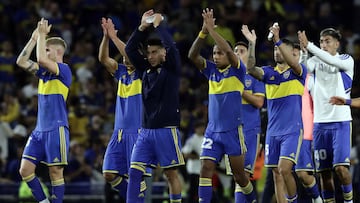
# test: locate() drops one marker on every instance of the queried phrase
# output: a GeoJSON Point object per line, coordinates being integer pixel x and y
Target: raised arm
{"type": "Point", "coordinates": [346, 65]}
{"type": "Point", "coordinates": [23, 60]}
{"type": "Point", "coordinates": [256, 72]}
{"type": "Point", "coordinates": [209, 21]}
{"type": "Point", "coordinates": [137, 37]}
{"type": "Point", "coordinates": [104, 58]}
{"type": "Point", "coordinates": [172, 53]}
{"type": "Point", "coordinates": [42, 57]}
{"type": "Point", "coordinates": [287, 53]}
{"type": "Point", "coordinates": [112, 33]}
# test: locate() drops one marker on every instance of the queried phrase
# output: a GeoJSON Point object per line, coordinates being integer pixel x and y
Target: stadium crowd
{"type": "Point", "coordinates": [91, 102]}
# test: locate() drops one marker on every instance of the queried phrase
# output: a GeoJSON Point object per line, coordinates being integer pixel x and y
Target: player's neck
{"type": "Point", "coordinates": [282, 66]}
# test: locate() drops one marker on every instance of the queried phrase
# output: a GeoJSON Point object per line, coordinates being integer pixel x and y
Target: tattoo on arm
{"type": "Point", "coordinates": [32, 67]}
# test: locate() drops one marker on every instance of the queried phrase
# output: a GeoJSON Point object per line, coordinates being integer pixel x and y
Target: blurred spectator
{"type": "Point", "coordinates": [85, 72]}
{"type": "Point", "coordinates": [7, 64]}
{"type": "Point", "coordinates": [326, 17]}
{"type": "Point", "coordinates": [31, 88]}
{"type": "Point", "coordinates": [10, 107]}
{"type": "Point", "coordinates": [78, 123]}
{"type": "Point", "coordinates": [192, 151]}
{"type": "Point", "coordinates": [78, 169]}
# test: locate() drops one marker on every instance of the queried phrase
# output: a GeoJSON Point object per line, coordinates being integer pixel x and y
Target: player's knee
{"type": "Point", "coordinates": [171, 175]}
{"type": "Point", "coordinates": [24, 172]}
{"type": "Point", "coordinates": [284, 171]}
{"type": "Point", "coordinates": [109, 177]}
{"type": "Point", "coordinates": [56, 172]}
{"type": "Point", "coordinates": [207, 168]}
{"type": "Point", "coordinates": [342, 172]}
{"type": "Point", "coordinates": [302, 175]}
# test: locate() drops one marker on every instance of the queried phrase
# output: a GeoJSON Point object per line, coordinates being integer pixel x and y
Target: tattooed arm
{"type": "Point", "coordinates": [252, 69]}
{"type": "Point", "coordinates": [23, 59]}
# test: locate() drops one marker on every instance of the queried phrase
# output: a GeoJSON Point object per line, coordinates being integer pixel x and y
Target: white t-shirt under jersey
{"type": "Point", "coordinates": [333, 77]}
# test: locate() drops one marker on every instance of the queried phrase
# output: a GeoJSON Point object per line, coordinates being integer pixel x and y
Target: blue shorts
{"type": "Point", "coordinates": [216, 144]}
{"type": "Point", "coordinates": [50, 147]}
{"type": "Point", "coordinates": [282, 147]}
{"type": "Point", "coordinates": [252, 140]}
{"type": "Point", "coordinates": [158, 146]}
{"type": "Point", "coordinates": [305, 161]}
{"type": "Point", "coordinates": [332, 144]}
{"type": "Point", "coordinates": [118, 152]}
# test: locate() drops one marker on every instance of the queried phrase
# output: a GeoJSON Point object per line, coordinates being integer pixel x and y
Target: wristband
{"type": "Point", "coordinates": [348, 102]}
{"type": "Point", "coordinates": [278, 43]}
{"type": "Point", "coordinates": [202, 35]}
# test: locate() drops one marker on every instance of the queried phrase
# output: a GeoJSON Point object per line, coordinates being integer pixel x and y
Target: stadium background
{"type": "Point", "coordinates": [92, 96]}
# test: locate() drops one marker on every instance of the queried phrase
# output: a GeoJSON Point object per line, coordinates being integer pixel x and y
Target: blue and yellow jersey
{"type": "Point", "coordinates": [225, 89]}
{"type": "Point", "coordinates": [128, 101]}
{"type": "Point", "coordinates": [251, 113]}
{"type": "Point", "coordinates": [53, 91]}
{"type": "Point", "coordinates": [283, 93]}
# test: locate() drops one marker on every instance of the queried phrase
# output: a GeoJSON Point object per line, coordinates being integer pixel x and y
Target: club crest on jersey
{"type": "Point", "coordinates": [158, 70]}
{"type": "Point", "coordinates": [286, 74]}
{"type": "Point", "coordinates": [248, 83]}
{"type": "Point", "coordinates": [226, 73]}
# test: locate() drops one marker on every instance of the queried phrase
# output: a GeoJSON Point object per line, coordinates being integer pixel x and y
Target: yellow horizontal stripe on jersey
{"type": "Point", "coordinates": [53, 87]}
{"type": "Point", "coordinates": [230, 84]}
{"type": "Point", "coordinates": [292, 87]}
{"type": "Point", "coordinates": [125, 91]}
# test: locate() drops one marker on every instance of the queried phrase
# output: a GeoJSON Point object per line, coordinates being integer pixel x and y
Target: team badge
{"type": "Point", "coordinates": [286, 74]}
{"type": "Point", "coordinates": [248, 83]}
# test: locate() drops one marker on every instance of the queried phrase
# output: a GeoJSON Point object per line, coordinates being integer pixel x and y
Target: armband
{"type": "Point", "coordinates": [278, 43]}
{"type": "Point", "coordinates": [202, 35]}
{"type": "Point", "coordinates": [348, 102]}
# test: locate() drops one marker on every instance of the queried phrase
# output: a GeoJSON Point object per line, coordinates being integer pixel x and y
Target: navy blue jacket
{"type": "Point", "coordinates": [160, 84]}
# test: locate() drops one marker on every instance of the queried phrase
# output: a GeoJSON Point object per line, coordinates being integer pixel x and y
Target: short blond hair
{"type": "Point", "coordinates": [56, 41]}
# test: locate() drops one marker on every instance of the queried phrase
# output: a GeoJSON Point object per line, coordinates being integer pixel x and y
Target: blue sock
{"type": "Point", "coordinates": [205, 190]}
{"type": "Point", "coordinates": [239, 197]}
{"type": "Point", "coordinates": [175, 198]}
{"type": "Point", "coordinates": [135, 178]}
{"type": "Point", "coordinates": [35, 186]}
{"type": "Point", "coordinates": [347, 192]}
{"type": "Point", "coordinates": [120, 184]}
{"type": "Point", "coordinates": [248, 193]}
{"type": "Point", "coordinates": [313, 189]}
{"type": "Point", "coordinates": [58, 189]}
{"type": "Point", "coordinates": [328, 196]}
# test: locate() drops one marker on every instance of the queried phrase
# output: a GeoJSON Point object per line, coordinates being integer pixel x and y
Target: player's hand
{"type": "Point", "coordinates": [157, 20]}
{"type": "Point", "coordinates": [208, 17]}
{"type": "Point", "coordinates": [43, 26]}
{"type": "Point", "coordinates": [111, 31]}
{"type": "Point", "coordinates": [275, 30]}
{"type": "Point", "coordinates": [144, 24]}
{"type": "Point", "coordinates": [250, 36]}
{"type": "Point", "coordinates": [303, 39]}
{"type": "Point", "coordinates": [335, 100]}
{"type": "Point", "coordinates": [103, 25]}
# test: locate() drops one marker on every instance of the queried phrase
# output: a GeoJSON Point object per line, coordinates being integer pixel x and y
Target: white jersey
{"type": "Point", "coordinates": [332, 77]}
{"type": "Point", "coordinates": [193, 144]}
